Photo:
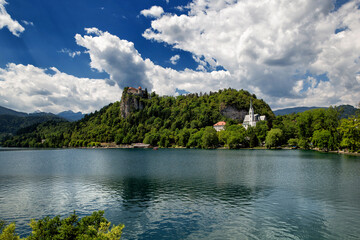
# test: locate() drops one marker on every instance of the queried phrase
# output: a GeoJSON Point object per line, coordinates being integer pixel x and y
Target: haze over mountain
{"type": "Point", "coordinates": [7, 111]}
{"type": "Point", "coordinates": [71, 116]}
{"type": "Point", "coordinates": [285, 111]}
{"type": "Point", "coordinates": [344, 110]}
{"type": "Point", "coordinates": [11, 121]}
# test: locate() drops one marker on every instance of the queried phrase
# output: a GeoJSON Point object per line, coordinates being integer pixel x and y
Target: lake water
{"type": "Point", "coordinates": [188, 194]}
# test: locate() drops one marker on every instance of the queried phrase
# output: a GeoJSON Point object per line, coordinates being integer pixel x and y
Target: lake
{"type": "Point", "coordinates": [188, 193]}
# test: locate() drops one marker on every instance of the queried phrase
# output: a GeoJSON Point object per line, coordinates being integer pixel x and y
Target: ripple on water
{"type": "Point", "coordinates": [188, 194]}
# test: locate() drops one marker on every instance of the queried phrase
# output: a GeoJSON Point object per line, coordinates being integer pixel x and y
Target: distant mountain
{"type": "Point", "coordinates": [285, 111]}
{"type": "Point", "coordinates": [7, 111]}
{"type": "Point", "coordinates": [71, 116]}
{"type": "Point", "coordinates": [344, 110]}
{"type": "Point", "coordinates": [12, 121]}
{"type": "Point", "coordinates": [347, 111]}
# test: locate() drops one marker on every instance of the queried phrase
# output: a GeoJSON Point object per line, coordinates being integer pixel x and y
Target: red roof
{"type": "Point", "coordinates": [220, 123]}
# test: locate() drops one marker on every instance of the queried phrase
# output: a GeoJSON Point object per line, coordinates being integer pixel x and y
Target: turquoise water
{"type": "Point", "coordinates": [188, 194]}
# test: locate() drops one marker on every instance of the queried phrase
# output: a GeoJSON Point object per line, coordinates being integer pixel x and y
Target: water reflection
{"type": "Point", "coordinates": [188, 194]}
{"type": "Point", "coordinates": [156, 209]}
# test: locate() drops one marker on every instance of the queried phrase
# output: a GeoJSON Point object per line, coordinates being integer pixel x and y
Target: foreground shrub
{"type": "Point", "coordinates": [94, 226]}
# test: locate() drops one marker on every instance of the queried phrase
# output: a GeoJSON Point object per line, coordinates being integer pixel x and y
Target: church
{"type": "Point", "coordinates": [251, 119]}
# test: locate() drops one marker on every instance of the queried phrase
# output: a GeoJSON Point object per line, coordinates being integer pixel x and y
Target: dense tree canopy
{"type": "Point", "coordinates": [164, 121]}
{"type": "Point", "coordinates": [274, 138]}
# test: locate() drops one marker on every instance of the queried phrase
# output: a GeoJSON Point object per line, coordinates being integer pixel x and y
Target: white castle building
{"type": "Point", "coordinates": [252, 118]}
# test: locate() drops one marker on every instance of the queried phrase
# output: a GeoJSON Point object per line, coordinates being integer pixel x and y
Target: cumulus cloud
{"type": "Point", "coordinates": [271, 47]}
{"type": "Point", "coordinates": [154, 11]}
{"type": "Point", "coordinates": [6, 21]}
{"type": "Point", "coordinates": [29, 88]}
{"type": "Point", "coordinates": [117, 57]}
{"type": "Point", "coordinates": [126, 67]}
{"type": "Point", "coordinates": [174, 59]}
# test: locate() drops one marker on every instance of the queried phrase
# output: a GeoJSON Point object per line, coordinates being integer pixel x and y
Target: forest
{"type": "Point", "coordinates": [187, 121]}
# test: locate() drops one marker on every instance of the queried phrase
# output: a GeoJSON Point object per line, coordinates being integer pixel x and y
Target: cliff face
{"type": "Point", "coordinates": [233, 113]}
{"type": "Point", "coordinates": [130, 103]}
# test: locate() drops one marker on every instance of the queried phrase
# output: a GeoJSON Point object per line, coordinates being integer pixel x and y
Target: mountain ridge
{"type": "Point", "coordinates": [344, 110]}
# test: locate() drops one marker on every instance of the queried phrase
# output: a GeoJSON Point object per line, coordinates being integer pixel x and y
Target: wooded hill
{"type": "Point", "coordinates": [163, 121]}
{"type": "Point", "coordinates": [11, 121]}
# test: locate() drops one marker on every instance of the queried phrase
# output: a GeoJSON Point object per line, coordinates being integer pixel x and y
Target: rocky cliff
{"type": "Point", "coordinates": [233, 113]}
{"type": "Point", "coordinates": [130, 103]}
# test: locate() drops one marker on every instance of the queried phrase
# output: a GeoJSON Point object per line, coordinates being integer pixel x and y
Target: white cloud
{"type": "Point", "coordinates": [117, 57]}
{"type": "Point", "coordinates": [265, 46]}
{"type": "Point", "coordinates": [28, 88]}
{"type": "Point", "coordinates": [154, 11]}
{"type": "Point", "coordinates": [28, 23]}
{"type": "Point", "coordinates": [6, 21]}
{"type": "Point", "coordinates": [174, 59]}
{"type": "Point", "coordinates": [126, 67]}
{"type": "Point", "coordinates": [70, 53]}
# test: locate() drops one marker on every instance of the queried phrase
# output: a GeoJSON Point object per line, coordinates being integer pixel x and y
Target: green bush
{"type": "Point", "coordinates": [90, 227]}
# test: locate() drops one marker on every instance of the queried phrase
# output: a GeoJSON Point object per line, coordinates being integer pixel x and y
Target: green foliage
{"type": "Point", "coordinates": [252, 137]}
{"type": "Point", "coordinates": [8, 232]}
{"type": "Point", "coordinates": [261, 130]}
{"type": "Point", "coordinates": [187, 121]}
{"type": "Point", "coordinates": [209, 138]}
{"type": "Point", "coordinates": [11, 124]}
{"type": "Point", "coordinates": [350, 132]}
{"type": "Point", "coordinates": [233, 137]}
{"type": "Point", "coordinates": [313, 128]}
{"type": "Point", "coordinates": [273, 138]}
{"type": "Point", "coordinates": [164, 121]}
{"type": "Point", "coordinates": [322, 139]}
{"type": "Point", "coordinates": [94, 226]}
{"type": "Point", "coordinates": [195, 139]}
{"type": "Point", "coordinates": [293, 142]}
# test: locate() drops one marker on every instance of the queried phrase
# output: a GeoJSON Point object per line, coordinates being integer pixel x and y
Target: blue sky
{"type": "Point", "coordinates": [57, 22]}
{"type": "Point", "coordinates": [78, 55]}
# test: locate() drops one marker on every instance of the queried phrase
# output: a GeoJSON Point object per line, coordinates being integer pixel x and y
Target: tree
{"type": "Point", "coordinates": [195, 139]}
{"type": "Point", "coordinates": [322, 139]}
{"type": "Point", "coordinates": [261, 130]}
{"type": "Point", "coordinates": [350, 131]}
{"type": "Point", "coordinates": [90, 227]}
{"type": "Point", "coordinates": [293, 142]}
{"type": "Point", "coordinates": [273, 138]}
{"type": "Point", "coordinates": [233, 136]}
{"type": "Point", "coordinates": [253, 139]}
{"type": "Point", "coordinates": [209, 139]}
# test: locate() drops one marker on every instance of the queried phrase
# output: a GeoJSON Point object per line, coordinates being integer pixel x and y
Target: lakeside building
{"type": "Point", "coordinates": [219, 126]}
{"type": "Point", "coordinates": [251, 119]}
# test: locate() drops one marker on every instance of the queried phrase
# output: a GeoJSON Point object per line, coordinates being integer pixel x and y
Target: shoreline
{"type": "Point", "coordinates": [147, 146]}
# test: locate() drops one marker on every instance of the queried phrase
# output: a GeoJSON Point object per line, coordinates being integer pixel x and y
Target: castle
{"type": "Point", "coordinates": [132, 101]}
{"type": "Point", "coordinates": [136, 91]}
{"type": "Point", "coordinates": [251, 119]}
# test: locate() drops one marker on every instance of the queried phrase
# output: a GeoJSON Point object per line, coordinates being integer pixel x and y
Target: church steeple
{"type": "Point", "coordinates": [251, 111]}
{"type": "Point", "coordinates": [251, 119]}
